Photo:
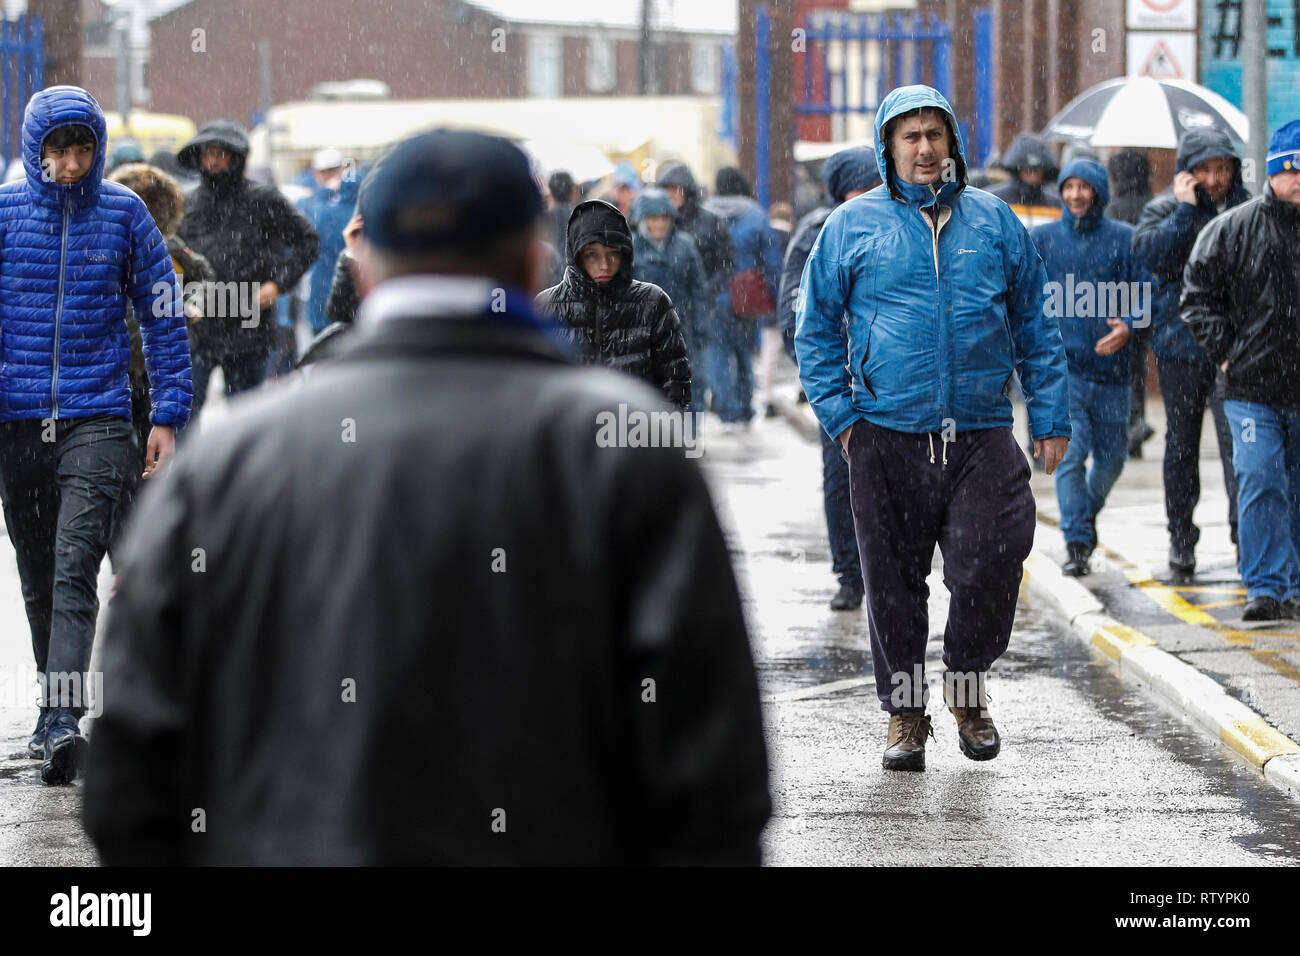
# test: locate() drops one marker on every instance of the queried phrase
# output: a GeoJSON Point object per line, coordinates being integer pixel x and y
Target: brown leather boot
{"type": "Point", "coordinates": [906, 747]}
{"type": "Point", "coordinates": [968, 701]}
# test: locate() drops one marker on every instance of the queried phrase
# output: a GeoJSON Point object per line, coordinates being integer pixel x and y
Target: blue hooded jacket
{"type": "Point", "coordinates": [71, 255]}
{"type": "Point", "coordinates": [1087, 258]}
{"type": "Point", "coordinates": [939, 317]}
{"type": "Point", "coordinates": [329, 211]}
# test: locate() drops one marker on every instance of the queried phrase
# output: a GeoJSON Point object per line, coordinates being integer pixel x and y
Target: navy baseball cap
{"type": "Point", "coordinates": [448, 187]}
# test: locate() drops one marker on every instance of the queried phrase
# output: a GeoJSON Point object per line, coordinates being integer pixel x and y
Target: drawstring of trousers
{"type": "Point", "coordinates": [930, 435]}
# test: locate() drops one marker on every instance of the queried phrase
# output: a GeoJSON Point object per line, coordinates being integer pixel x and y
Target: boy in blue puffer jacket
{"type": "Point", "coordinates": [74, 249]}
{"type": "Point", "coordinates": [1094, 291]}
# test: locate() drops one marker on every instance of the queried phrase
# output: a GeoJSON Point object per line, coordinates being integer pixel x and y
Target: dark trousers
{"type": "Point", "coordinates": [242, 372]}
{"type": "Point", "coordinates": [839, 513]}
{"type": "Point", "coordinates": [977, 508]}
{"type": "Point", "coordinates": [58, 503]}
{"type": "Point", "coordinates": [1137, 414]}
{"type": "Point", "coordinates": [133, 475]}
{"type": "Point", "coordinates": [1187, 387]}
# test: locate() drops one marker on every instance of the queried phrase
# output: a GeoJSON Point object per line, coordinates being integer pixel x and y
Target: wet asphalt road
{"type": "Point", "coordinates": [1093, 771]}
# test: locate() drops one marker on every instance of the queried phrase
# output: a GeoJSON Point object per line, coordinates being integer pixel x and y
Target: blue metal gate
{"type": "Point", "coordinates": [22, 72]}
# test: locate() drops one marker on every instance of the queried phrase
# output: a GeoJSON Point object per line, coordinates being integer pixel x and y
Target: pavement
{"type": "Point", "coordinates": [1181, 638]}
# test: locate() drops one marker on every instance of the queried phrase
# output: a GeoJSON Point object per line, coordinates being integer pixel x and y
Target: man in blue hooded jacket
{"type": "Point", "coordinates": [1094, 292]}
{"type": "Point", "coordinates": [943, 293]}
{"type": "Point", "coordinates": [74, 249]}
{"type": "Point", "coordinates": [848, 173]}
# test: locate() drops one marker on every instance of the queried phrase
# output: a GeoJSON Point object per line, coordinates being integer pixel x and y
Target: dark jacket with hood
{"type": "Point", "coordinates": [850, 170]}
{"type": "Point", "coordinates": [71, 256]}
{"type": "Point", "coordinates": [623, 324]}
{"type": "Point", "coordinates": [1031, 203]}
{"type": "Point", "coordinates": [712, 237]}
{"type": "Point", "coordinates": [672, 264]}
{"type": "Point", "coordinates": [249, 233]}
{"type": "Point", "coordinates": [520, 690]}
{"type": "Point", "coordinates": [1166, 233]}
{"type": "Point", "coordinates": [1130, 186]}
{"type": "Point", "coordinates": [1089, 271]}
{"type": "Point", "coordinates": [1241, 299]}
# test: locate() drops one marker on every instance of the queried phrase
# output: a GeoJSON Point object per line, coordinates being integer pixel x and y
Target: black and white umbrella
{"type": "Point", "coordinates": [1144, 112]}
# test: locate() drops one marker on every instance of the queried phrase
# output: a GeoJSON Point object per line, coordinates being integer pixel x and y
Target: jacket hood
{"type": "Point", "coordinates": [161, 194]}
{"type": "Point", "coordinates": [598, 221]}
{"type": "Point", "coordinates": [1094, 174]}
{"type": "Point", "coordinates": [850, 170]}
{"type": "Point", "coordinates": [732, 182]}
{"type": "Point", "coordinates": [678, 174]}
{"type": "Point", "coordinates": [904, 100]}
{"type": "Point", "coordinates": [227, 134]}
{"type": "Point", "coordinates": [48, 109]}
{"type": "Point", "coordinates": [1131, 173]}
{"type": "Point", "coordinates": [1208, 142]}
{"type": "Point", "coordinates": [1028, 151]}
{"type": "Point", "coordinates": [651, 201]}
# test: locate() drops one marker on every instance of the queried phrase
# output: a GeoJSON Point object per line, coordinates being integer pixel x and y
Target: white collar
{"type": "Point", "coordinates": [427, 296]}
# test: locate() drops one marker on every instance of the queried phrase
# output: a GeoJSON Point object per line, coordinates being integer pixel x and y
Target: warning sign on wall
{"type": "Point", "coordinates": [1161, 15]}
{"type": "Point", "coordinates": [1162, 56]}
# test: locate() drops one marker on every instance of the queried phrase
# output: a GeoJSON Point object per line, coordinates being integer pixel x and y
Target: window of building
{"type": "Point", "coordinates": [602, 65]}
{"type": "Point", "coordinates": [545, 65]}
{"type": "Point", "coordinates": [706, 68]}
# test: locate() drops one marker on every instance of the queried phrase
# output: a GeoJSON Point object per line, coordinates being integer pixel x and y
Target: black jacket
{"type": "Point", "coordinates": [490, 585]}
{"type": "Point", "coordinates": [343, 301]}
{"type": "Point", "coordinates": [797, 252]}
{"type": "Point", "coordinates": [1241, 299]}
{"type": "Point", "coordinates": [623, 324]}
{"type": "Point", "coordinates": [249, 233]}
{"type": "Point", "coordinates": [1164, 237]}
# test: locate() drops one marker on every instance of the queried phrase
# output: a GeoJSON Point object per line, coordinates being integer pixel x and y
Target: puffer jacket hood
{"type": "Point", "coordinates": [1028, 151]}
{"type": "Point", "coordinates": [598, 221]}
{"type": "Point", "coordinates": [850, 170]}
{"type": "Point", "coordinates": [161, 194]}
{"type": "Point", "coordinates": [1209, 142]}
{"type": "Point", "coordinates": [652, 201]}
{"type": "Point", "coordinates": [47, 110]}
{"type": "Point", "coordinates": [1094, 174]}
{"type": "Point", "coordinates": [678, 174]}
{"type": "Point", "coordinates": [904, 100]}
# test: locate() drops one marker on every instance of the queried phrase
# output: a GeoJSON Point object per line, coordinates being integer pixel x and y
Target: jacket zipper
{"type": "Point", "coordinates": [58, 312]}
{"type": "Point", "coordinates": [936, 225]}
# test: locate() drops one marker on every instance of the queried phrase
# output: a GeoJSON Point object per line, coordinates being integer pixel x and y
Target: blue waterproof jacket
{"type": "Point", "coordinates": [71, 255]}
{"type": "Point", "coordinates": [674, 265]}
{"type": "Point", "coordinates": [1089, 271]}
{"type": "Point", "coordinates": [328, 210]}
{"type": "Point", "coordinates": [756, 242]}
{"type": "Point", "coordinates": [939, 317]}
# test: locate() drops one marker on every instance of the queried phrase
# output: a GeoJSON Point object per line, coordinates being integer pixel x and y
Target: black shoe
{"type": "Point", "coordinates": [802, 399]}
{"type": "Point", "coordinates": [1264, 609]}
{"type": "Point", "coordinates": [1182, 558]}
{"type": "Point", "coordinates": [770, 411]}
{"type": "Point", "coordinates": [36, 746]}
{"type": "Point", "coordinates": [65, 749]}
{"type": "Point", "coordinates": [1076, 564]}
{"type": "Point", "coordinates": [847, 598]}
{"type": "Point", "coordinates": [1292, 608]}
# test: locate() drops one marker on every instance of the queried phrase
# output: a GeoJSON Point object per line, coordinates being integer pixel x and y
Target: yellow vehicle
{"type": "Point", "coordinates": [153, 131]}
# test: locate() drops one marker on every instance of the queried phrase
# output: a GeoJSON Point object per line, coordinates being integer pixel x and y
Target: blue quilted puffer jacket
{"type": "Point", "coordinates": [71, 255]}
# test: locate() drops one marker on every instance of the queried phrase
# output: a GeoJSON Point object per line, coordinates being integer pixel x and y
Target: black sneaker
{"type": "Point", "coordinates": [65, 749]}
{"type": "Point", "coordinates": [1076, 564]}
{"type": "Point", "coordinates": [1264, 609]}
{"type": "Point", "coordinates": [36, 746]}
{"type": "Point", "coordinates": [1292, 608]}
{"type": "Point", "coordinates": [847, 598]}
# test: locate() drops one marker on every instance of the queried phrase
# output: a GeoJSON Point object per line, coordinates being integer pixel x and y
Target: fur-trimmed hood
{"type": "Point", "coordinates": [160, 192]}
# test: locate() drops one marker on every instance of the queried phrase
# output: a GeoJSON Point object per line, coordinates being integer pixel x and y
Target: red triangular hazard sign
{"type": "Point", "coordinates": [1160, 64]}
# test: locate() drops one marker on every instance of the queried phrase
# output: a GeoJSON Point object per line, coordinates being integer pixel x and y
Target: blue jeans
{"type": "Point", "coordinates": [731, 367]}
{"type": "Point", "coordinates": [1266, 460]}
{"type": "Point", "coordinates": [1099, 425]}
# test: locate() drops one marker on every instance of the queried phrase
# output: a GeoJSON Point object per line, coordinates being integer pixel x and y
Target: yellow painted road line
{"type": "Point", "coordinates": [1207, 589]}
{"type": "Point", "coordinates": [1236, 602]}
{"type": "Point", "coordinates": [1113, 639]}
{"type": "Point", "coordinates": [1177, 605]}
{"type": "Point", "coordinates": [1272, 659]}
